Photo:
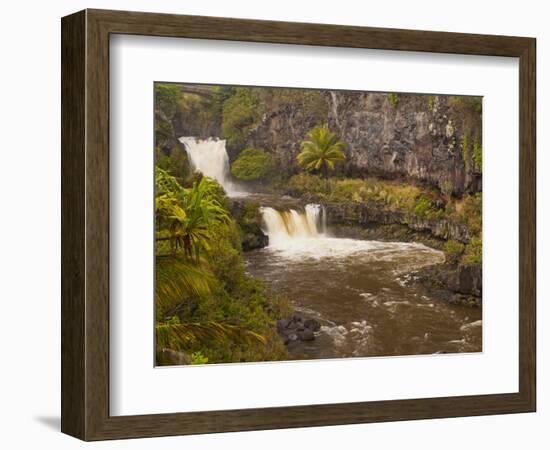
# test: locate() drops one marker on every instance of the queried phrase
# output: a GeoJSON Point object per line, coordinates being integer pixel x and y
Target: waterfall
{"type": "Point", "coordinates": [209, 156]}
{"type": "Point", "coordinates": [317, 218]}
{"type": "Point", "coordinates": [282, 226]}
{"type": "Point", "coordinates": [300, 235]}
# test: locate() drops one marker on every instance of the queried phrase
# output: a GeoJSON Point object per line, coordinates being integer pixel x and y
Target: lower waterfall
{"type": "Point", "coordinates": [282, 226]}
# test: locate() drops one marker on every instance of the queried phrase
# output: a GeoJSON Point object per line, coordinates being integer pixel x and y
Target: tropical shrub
{"type": "Point", "coordinates": [453, 250]}
{"type": "Point", "coordinates": [473, 252]}
{"type": "Point", "coordinates": [253, 164]}
{"type": "Point", "coordinates": [472, 102]}
{"type": "Point", "coordinates": [166, 98]}
{"type": "Point", "coordinates": [308, 184]}
{"type": "Point", "coordinates": [471, 212]}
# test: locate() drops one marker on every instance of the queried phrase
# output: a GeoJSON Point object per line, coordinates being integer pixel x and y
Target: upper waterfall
{"type": "Point", "coordinates": [209, 156]}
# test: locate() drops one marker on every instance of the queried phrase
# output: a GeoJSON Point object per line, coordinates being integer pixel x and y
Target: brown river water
{"type": "Point", "coordinates": [362, 292]}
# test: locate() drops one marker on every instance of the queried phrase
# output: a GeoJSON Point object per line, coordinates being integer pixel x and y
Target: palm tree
{"type": "Point", "coordinates": [186, 217]}
{"type": "Point", "coordinates": [322, 151]}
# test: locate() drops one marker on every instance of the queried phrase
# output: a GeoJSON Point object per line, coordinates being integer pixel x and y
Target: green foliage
{"type": "Point", "coordinates": [205, 303]}
{"type": "Point", "coordinates": [431, 102]}
{"type": "Point", "coordinates": [447, 189]}
{"type": "Point", "coordinates": [474, 103]}
{"type": "Point", "coordinates": [473, 252]}
{"type": "Point", "coordinates": [240, 115]}
{"type": "Point", "coordinates": [422, 207]}
{"type": "Point", "coordinates": [392, 196]}
{"type": "Point", "coordinates": [308, 184]}
{"type": "Point", "coordinates": [471, 212]}
{"type": "Point", "coordinates": [393, 99]}
{"type": "Point", "coordinates": [175, 163]}
{"type": "Point", "coordinates": [198, 358]}
{"type": "Point", "coordinates": [220, 94]}
{"type": "Point", "coordinates": [166, 97]}
{"type": "Point", "coordinates": [478, 155]}
{"type": "Point", "coordinates": [321, 151]}
{"type": "Point", "coordinates": [453, 250]}
{"type": "Point", "coordinates": [186, 217]}
{"type": "Point", "coordinates": [253, 164]}
{"type": "Point", "coordinates": [178, 280]}
{"type": "Point", "coordinates": [182, 336]}
{"type": "Point", "coordinates": [310, 102]}
{"type": "Point", "coordinates": [163, 130]}
{"type": "Point", "coordinates": [466, 156]}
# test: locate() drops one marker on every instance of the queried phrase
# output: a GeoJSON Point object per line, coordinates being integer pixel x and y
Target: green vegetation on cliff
{"type": "Point", "coordinates": [394, 196]}
{"type": "Point", "coordinates": [240, 115]}
{"type": "Point", "coordinates": [253, 164]}
{"type": "Point", "coordinates": [393, 99]}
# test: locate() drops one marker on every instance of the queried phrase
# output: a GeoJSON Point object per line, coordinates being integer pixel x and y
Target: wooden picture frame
{"type": "Point", "coordinates": [85, 224]}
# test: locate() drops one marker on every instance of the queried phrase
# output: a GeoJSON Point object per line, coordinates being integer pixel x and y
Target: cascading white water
{"type": "Point", "coordinates": [297, 235]}
{"type": "Point", "coordinates": [282, 226]}
{"type": "Point", "coordinates": [209, 156]}
{"type": "Point", "coordinates": [317, 216]}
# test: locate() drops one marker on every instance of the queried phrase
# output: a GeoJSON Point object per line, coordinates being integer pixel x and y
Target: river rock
{"type": "Point", "coordinates": [369, 213]}
{"type": "Point", "coordinates": [306, 335]}
{"type": "Point", "coordinates": [282, 324]}
{"type": "Point", "coordinates": [297, 328]}
{"type": "Point", "coordinates": [458, 284]}
{"type": "Point", "coordinates": [312, 324]}
{"type": "Point", "coordinates": [171, 357]}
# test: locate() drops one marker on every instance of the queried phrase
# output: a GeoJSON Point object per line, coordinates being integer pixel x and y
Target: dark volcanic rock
{"type": "Point", "coordinates": [306, 335]}
{"type": "Point", "coordinates": [249, 219]}
{"type": "Point", "coordinates": [463, 283]}
{"type": "Point", "coordinates": [282, 324]}
{"type": "Point", "coordinates": [297, 328]}
{"type": "Point", "coordinates": [366, 213]}
{"type": "Point", "coordinates": [312, 324]}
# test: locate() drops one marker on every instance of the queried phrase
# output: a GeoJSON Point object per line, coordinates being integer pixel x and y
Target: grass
{"type": "Point", "coordinates": [394, 196]}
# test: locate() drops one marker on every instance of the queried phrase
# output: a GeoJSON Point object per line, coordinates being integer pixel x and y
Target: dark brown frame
{"type": "Point", "coordinates": [85, 224]}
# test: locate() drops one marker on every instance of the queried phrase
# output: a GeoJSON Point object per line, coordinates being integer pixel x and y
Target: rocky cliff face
{"type": "Point", "coordinates": [409, 135]}
{"type": "Point", "coordinates": [430, 139]}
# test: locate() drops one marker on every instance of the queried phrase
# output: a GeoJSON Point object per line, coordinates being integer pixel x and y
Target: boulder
{"type": "Point", "coordinates": [312, 324]}
{"type": "Point", "coordinates": [306, 335]}
{"type": "Point", "coordinates": [282, 324]}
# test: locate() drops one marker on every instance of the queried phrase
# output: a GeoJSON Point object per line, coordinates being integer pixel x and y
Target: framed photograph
{"type": "Point", "coordinates": [273, 225]}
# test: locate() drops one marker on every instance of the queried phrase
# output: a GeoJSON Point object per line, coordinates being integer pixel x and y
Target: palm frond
{"type": "Point", "coordinates": [182, 336]}
{"type": "Point", "coordinates": [178, 280]}
{"type": "Point", "coordinates": [322, 150]}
